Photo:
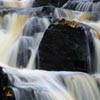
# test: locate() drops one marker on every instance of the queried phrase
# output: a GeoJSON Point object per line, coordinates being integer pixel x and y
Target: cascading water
{"type": "Point", "coordinates": [22, 29]}
{"type": "Point", "coordinates": [17, 3]}
{"type": "Point", "coordinates": [10, 35]}
{"type": "Point", "coordinates": [26, 46]}
{"type": "Point", "coordinates": [83, 5]}
{"type": "Point", "coordinates": [88, 19]}
{"type": "Point", "coordinates": [43, 85]}
{"type": "Point", "coordinates": [60, 13]}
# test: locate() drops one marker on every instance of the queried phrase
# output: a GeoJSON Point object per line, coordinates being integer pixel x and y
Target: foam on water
{"type": "Point", "coordinates": [52, 85]}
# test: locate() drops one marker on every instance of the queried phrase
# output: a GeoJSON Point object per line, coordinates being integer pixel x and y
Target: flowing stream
{"type": "Point", "coordinates": [21, 30]}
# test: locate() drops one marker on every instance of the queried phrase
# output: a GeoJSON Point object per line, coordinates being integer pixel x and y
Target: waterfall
{"type": "Point", "coordinates": [9, 36]}
{"type": "Point", "coordinates": [97, 47]}
{"type": "Point", "coordinates": [88, 19]}
{"type": "Point", "coordinates": [22, 29]}
{"type": "Point", "coordinates": [24, 50]}
{"type": "Point", "coordinates": [43, 85]}
{"type": "Point", "coordinates": [61, 13]}
{"type": "Point", "coordinates": [42, 24]}
{"type": "Point", "coordinates": [17, 3]}
{"type": "Point", "coordinates": [20, 52]}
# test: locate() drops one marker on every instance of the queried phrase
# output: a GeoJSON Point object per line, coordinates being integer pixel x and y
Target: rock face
{"type": "Point", "coordinates": [57, 3]}
{"type": "Point", "coordinates": [6, 92]}
{"type": "Point", "coordinates": [67, 46]}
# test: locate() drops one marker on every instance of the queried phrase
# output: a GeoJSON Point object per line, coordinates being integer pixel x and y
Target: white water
{"type": "Point", "coordinates": [9, 36]}
{"type": "Point", "coordinates": [18, 3]}
{"type": "Point", "coordinates": [30, 42]}
{"type": "Point", "coordinates": [97, 48]}
{"type": "Point", "coordinates": [67, 14]}
{"type": "Point", "coordinates": [52, 85]}
{"type": "Point", "coordinates": [43, 23]}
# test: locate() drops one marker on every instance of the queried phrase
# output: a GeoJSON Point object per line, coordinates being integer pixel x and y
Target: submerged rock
{"type": "Point", "coordinates": [67, 45]}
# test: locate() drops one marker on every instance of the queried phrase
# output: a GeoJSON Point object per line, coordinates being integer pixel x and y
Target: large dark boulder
{"type": "Point", "coordinates": [67, 46]}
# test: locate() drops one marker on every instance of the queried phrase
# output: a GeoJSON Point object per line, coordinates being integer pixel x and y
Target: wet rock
{"type": "Point", "coordinates": [67, 46]}
{"type": "Point", "coordinates": [57, 3]}
{"type": "Point", "coordinates": [6, 92]}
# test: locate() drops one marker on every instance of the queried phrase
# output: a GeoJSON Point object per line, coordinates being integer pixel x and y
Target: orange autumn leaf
{"type": "Point", "coordinates": [8, 94]}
